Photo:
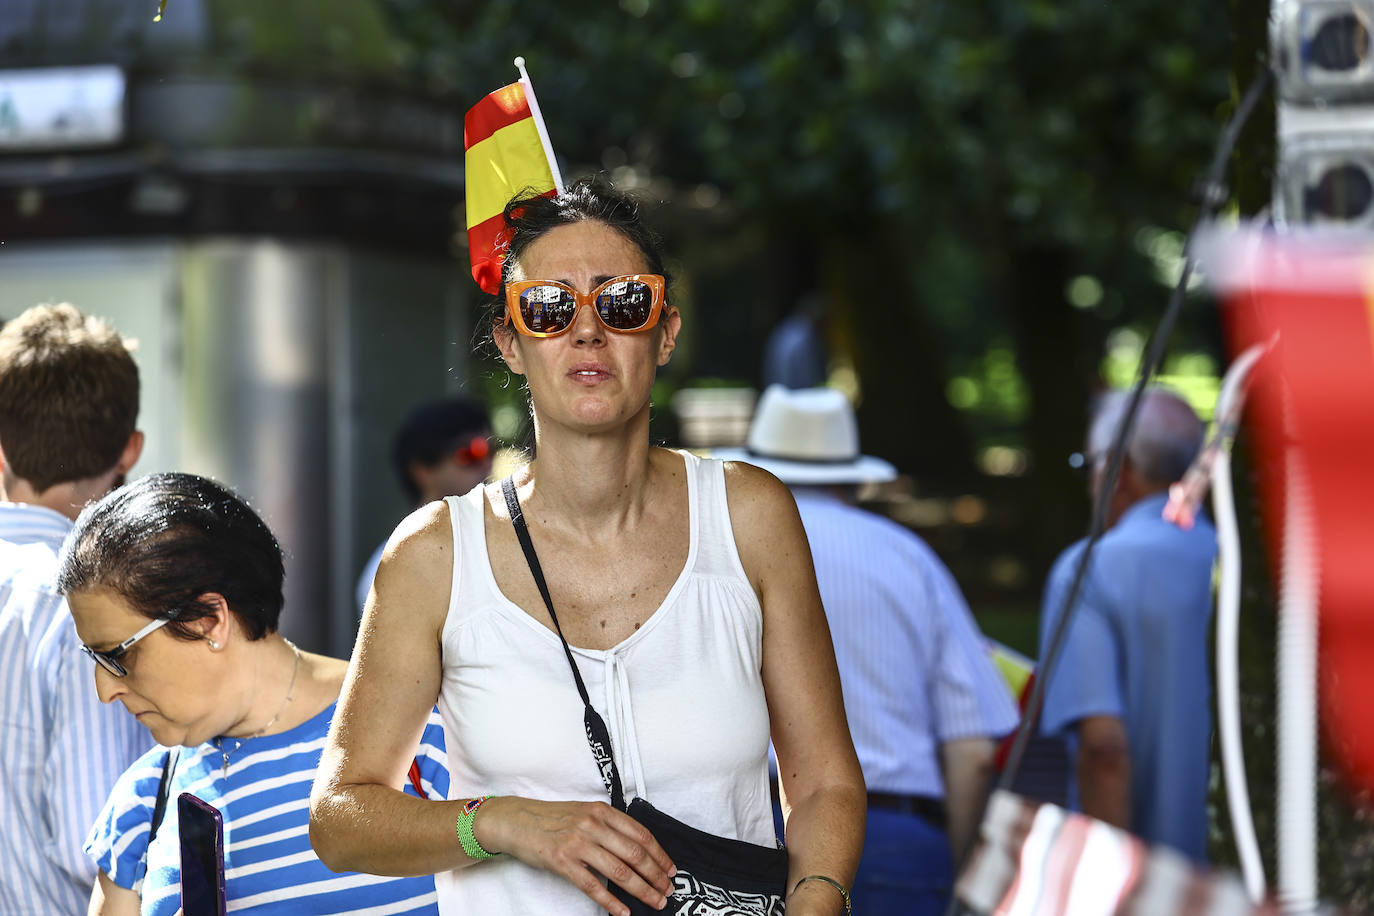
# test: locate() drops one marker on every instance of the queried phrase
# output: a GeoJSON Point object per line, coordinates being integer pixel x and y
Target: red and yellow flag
{"type": "Point", "coordinates": [506, 153]}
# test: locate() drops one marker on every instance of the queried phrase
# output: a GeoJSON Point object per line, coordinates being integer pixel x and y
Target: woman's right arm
{"type": "Point", "coordinates": [361, 820]}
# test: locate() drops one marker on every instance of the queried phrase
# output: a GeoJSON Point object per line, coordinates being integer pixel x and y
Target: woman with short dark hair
{"type": "Point", "coordinates": [175, 585]}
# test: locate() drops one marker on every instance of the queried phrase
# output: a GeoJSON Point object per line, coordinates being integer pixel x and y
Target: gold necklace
{"type": "Point", "coordinates": [290, 689]}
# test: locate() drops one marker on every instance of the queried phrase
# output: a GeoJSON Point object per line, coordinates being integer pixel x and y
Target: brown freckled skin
{"type": "Point", "coordinates": [822, 787]}
{"type": "Point", "coordinates": [589, 570]}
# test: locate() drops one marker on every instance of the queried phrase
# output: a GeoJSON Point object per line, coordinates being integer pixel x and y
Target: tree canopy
{"type": "Point", "coordinates": [981, 192]}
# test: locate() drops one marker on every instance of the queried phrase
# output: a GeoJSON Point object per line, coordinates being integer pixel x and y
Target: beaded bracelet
{"type": "Point", "coordinates": [827, 880]}
{"type": "Point", "coordinates": [466, 837]}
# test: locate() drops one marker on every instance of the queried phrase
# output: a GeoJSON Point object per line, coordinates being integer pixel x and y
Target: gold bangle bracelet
{"type": "Point", "coordinates": [827, 880]}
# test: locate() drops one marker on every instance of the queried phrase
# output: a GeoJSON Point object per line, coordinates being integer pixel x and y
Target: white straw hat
{"type": "Point", "coordinates": [808, 436]}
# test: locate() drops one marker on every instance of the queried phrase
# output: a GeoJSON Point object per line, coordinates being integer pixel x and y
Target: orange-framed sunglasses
{"type": "Point", "coordinates": [546, 308]}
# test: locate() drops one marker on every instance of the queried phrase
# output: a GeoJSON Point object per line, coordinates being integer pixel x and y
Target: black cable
{"type": "Point", "coordinates": [1213, 194]}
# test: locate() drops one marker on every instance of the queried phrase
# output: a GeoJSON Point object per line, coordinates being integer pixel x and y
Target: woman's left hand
{"type": "Point", "coordinates": [579, 840]}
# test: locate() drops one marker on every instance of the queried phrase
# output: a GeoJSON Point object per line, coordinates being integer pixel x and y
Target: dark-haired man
{"type": "Point", "coordinates": [1131, 690]}
{"type": "Point", "coordinates": [68, 404]}
{"type": "Point", "coordinates": [442, 449]}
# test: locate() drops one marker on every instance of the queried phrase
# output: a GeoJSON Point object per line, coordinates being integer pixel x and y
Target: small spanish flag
{"type": "Point", "coordinates": [507, 152]}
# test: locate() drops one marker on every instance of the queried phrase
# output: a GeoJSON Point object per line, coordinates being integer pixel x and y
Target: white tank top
{"type": "Point", "coordinates": [682, 698]}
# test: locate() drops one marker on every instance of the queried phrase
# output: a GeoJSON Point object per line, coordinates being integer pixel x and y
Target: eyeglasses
{"type": "Point", "coordinates": [546, 308]}
{"type": "Point", "coordinates": [472, 452]}
{"type": "Point", "coordinates": [110, 660]}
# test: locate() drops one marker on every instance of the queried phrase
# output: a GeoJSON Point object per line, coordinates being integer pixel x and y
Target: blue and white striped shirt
{"type": "Point", "coordinates": [62, 748]}
{"type": "Point", "coordinates": [912, 664]}
{"type": "Point", "coordinates": [264, 799]}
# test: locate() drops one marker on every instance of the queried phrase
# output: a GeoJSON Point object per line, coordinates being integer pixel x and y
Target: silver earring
{"type": "Point", "coordinates": [213, 644]}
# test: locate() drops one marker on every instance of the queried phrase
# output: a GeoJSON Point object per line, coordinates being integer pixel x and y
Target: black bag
{"type": "Point", "coordinates": [716, 876]}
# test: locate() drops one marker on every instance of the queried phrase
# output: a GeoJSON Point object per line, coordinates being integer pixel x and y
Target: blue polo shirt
{"type": "Point", "coordinates": [1137, 649]}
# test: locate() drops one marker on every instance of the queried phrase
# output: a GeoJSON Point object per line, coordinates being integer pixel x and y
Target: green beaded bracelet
{"type": "Point", "coordinates": [466, 837]}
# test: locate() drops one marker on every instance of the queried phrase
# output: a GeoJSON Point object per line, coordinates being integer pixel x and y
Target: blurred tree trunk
{"type": "Point", "coordinates": [1060, 369]}
{"type": "Point", "coordinates": [904, 415]}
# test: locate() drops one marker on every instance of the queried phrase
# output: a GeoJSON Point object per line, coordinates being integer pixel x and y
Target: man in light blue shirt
{"type": "Point", "coordinates": [68, 403]}
{"type": "Point", "coordinates": [1131, 690]}
{"type": "Point", "coordinates": [925, 704]}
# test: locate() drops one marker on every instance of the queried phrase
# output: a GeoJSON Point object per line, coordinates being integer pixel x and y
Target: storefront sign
{"type": "Point", "coordinates": [61, 107]}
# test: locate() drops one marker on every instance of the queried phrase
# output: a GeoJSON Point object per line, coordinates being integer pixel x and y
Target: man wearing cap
{"type": "Point", "coordinates": [442, 449]}
{"type": "Point", "coordinates": [924, 703]}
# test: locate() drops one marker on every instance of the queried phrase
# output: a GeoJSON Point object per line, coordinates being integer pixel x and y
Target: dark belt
{"type": "Point", "coordinates": [925, 807]}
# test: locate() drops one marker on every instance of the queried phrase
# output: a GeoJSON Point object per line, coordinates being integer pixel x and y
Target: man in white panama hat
{"type": "Point", "coordinates": [925, 704]}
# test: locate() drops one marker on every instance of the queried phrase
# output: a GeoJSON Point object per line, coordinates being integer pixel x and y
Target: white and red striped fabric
{"type": "Point", "coordinates": [1040, 860]}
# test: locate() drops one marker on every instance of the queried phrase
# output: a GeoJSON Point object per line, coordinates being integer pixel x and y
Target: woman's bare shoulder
{"type": "Point", "coordinates": [425, 534]}
{"type": "Point", "coordinates": [763, 516]}
{"type": "Point", "coordinates": [755, 492]}
{"type": "Point", "coordinates": [418, 555]}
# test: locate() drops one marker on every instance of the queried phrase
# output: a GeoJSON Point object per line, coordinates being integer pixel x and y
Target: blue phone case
{"type": "Point", "coordinates": [201, 829]}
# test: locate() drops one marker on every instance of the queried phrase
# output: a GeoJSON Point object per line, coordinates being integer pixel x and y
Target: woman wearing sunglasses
{"type": "Point", "coordinates": [175, 586]}
{"type": "Point", "coordinates": [683, 586]}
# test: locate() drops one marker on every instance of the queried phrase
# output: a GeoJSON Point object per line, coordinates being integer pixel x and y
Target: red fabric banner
{"type": "Point", "coordinates": [1313, 404]}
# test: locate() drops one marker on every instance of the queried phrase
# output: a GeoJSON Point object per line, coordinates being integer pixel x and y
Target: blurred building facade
{"type": "Point", "coordinates": [275, 231]}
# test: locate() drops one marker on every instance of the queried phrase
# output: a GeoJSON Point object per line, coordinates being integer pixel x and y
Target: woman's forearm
{"type": "Point", "coordinates": [371, 828]}
{"type": "Point", "coordinates": [825, 832]}
{"type": "Point", "coordinates": [382, 831]}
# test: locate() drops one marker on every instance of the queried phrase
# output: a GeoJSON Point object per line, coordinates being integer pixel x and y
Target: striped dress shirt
{"type": "Point", "coordinates": [62, 748]}
{"type": "Point", "coordinates": [912, 663]}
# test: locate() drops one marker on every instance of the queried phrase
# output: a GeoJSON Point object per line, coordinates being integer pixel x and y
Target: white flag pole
{"type": "Point", "coordinates": [539, 123]}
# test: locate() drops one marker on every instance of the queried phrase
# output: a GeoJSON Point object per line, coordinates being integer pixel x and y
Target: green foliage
{"type": "Point", "coordinates": [944, 173]}
{"type": "Point", "coordinates": [848, 110]}
{"type": "Point", "coordinates": [952, 131]}
{"type": "Point", "coordinates": [304, 37]}
{"type": "Point", "coordinates": [992, 385]}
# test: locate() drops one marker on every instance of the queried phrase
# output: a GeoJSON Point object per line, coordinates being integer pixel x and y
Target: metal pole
{"type": "Point", "coordinates": [1297, 699]}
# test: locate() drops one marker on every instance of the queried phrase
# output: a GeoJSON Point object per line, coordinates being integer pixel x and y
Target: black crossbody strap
{"type": "Point", "coordinates": [164, 789]}
{"type": "Point", "coordinates": [598, 737]}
